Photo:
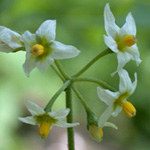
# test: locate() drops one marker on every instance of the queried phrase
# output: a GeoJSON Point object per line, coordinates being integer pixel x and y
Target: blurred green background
{"type": "Point", "coordinates": [79, 23]}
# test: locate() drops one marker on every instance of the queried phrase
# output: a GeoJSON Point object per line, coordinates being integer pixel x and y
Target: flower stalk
{"type": "Point", "coordinates": [52, 100]}
{"type": "Point", "coordinates": [100, 55]}
{"type": "Point", "coordinates": [70, 131]}
{"type": "Point", "coordinates": [93, 80]}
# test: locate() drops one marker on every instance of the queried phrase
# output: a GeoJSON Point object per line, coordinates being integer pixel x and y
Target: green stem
{"type": "Point", "coordinates": [100, 55]}
{"type": "Point", "coordinates": [93, 80]}
{"type": "Point", "coordinates": [57, 72]}
{"type": "Point", "coordinates": [87, 108]}
{"type": "Point", "coordinates": [52, 100]}
{"type": "Point", "coordinates": [91, 117]}
{"type": "Point", "coordinates": [61, 70]}
{"type": "Point", "coordinates": [70, 131]}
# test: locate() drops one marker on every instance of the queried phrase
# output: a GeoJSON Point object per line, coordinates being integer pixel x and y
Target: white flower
{"type": "Point", "coordinates": [121, 40]}
{"type": "Point", "coordinates": [96, 132]}
{"type": "Point", "coordinates": [116, 101]}
{"type": "Point", "coordinates": [9, 40]}
{"type": "Point", "coordinates": [45, 120]}
{"type": "Point", "coordinates": [42, 48]}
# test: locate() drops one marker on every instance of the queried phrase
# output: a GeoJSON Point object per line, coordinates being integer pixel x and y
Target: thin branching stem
{"type": "Point", "coordinates": [93, 80]}
{"type": "Point", "coordinates": [100, 55]}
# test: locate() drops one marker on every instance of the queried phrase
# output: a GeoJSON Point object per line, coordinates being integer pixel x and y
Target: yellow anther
{"type": "Point", "coordinates": [37, 50]}
{"type": "Point", "coordinates": [44, 129]}
{"type": "Point", "coordinates": [129, 109]}
{"type": "Point", "coordinates": [101, 132]}
{"type": "Point", "coordinates": [129, 40]}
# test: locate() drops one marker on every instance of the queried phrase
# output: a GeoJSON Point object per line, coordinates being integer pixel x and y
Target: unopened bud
{"type": "Point", "coordinates": [96, 132]}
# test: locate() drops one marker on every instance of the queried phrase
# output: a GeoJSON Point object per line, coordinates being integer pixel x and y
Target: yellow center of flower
{"type": "Point", "coordinates": [127, 40]}
{"type": "Point", "coordinates": [101, 132]}
{"type": "Point", "coordinates": [44, 129]}
{"type": "Point", "coordinates": [37, 50]}
{"type": "Point", "coordinates": [129, 109]}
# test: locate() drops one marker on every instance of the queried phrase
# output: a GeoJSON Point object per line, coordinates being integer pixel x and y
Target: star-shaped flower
{"type": "Point", "coordinates": [45, 120]}
{"type": "Point", "coordinates": [117, 101]}
{"type": "Point", "coordinates": [9, 40]}
{"type": "Point", "coordinates": [42, 48]}
{"type": "Point", "coordinates": [121, 40]}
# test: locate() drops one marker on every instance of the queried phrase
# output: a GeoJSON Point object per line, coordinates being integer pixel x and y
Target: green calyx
{"type": "Point", "coordinates": [91, 119]}
{"type": "Point", "coordinates": [121, 99]}
{"type": "Point", "coordinates": [44, 117]}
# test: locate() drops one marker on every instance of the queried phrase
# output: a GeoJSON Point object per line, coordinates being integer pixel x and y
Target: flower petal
{"type": "Point", "coordinates": [1, 28]}
{"type": "Point", "coordinates": [42, 65]}
{"type": "Point", "coordinates": [29, 40]}
{"type": "Point", "coordinates": [61, 114]}
{"type": "Point", "coordinates": [117, 110]}
{"type": "Point", "coordinates": [125, 82]}
{"type": "Point", "coordinates": [107, 96]}
{"type": "Point", "coordinates": [110, 25]}
{"type": "Point", "coordinates": [47, 30]}
{"type": "Point", "coordinates": [29, 65]}
{"type": "Point", "coordinates": [134, 54]}
{"type": "Point", "coordinates": [65, 124]}
{"type": "Point", "coordinates": [5, 48]}
{"type": "Point", "coordinates": [33, 108]}
{"type": "Point", "coordinates": [111, 43]}
{"type": "Point", "coordinates": [134, 84]}
{"type": "Point", "coordinates": [129, 28]}
{"type": "Point", "coordinates": [9, 40]}
{"type": "Point", "coordinates": [28, 120]}
{"type": "Point", "coordinates": [105, 116]}
{"type": "Point", "coordinates": [109, 124]}
{"type": "Point", "coordinates": [123, 58]}
{"type": "Point", "coordinates": [61, 51]}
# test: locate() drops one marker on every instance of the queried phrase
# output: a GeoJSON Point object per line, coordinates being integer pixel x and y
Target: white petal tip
{"type": "Point", "coordinates": [138, 62]}
{"type": "Point", "coordinates": [107, 5]}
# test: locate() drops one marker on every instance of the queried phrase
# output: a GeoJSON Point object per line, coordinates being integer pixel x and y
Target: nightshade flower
{"type": "Point", "coordinates": [45, 120]}
{"type": "Point", "coordinates": [117, 101]}
{"type": "Point", "coordinates": [121, 40]}
{"type": "Point", "coordinates": [9, 40]}
{"type": "Point", "coordinates": [42, 48]}
{"type": "Point", "coordinates": [96, 132]}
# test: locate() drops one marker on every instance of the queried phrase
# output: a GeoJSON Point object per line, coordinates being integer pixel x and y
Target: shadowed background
{"type": "Point", "coordinates": [79, 23]}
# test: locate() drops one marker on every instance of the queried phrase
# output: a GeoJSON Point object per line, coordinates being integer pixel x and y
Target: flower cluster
{"type": "Point", "coordinates": [121, 41]}
{"type": "Point", "coordinates": [42, 50]}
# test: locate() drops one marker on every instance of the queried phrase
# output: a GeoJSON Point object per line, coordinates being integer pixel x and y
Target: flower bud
{"type": "Point", "coordinates": [96, 132]}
